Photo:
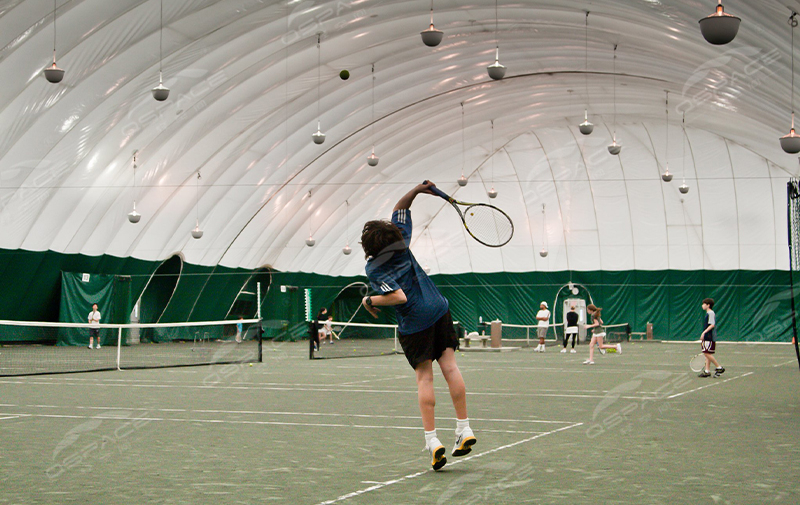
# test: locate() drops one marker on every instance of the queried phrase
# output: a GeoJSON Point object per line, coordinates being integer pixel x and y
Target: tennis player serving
{"type": "Point", "coordinates": [425, 327]}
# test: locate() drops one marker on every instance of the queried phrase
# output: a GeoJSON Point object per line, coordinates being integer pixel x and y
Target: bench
{"type": "Point", "coordinates": [475, 336]}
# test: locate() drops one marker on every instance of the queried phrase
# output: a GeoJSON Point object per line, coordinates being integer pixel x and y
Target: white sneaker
{"type": "Point", "coordinates": [602, 351]}
{"type": "Point", "coordinates": [98, 346]}
{"type": "Point", "coordinates": [564, 350]}
{"type": "Point", "coordinates": [464, 442]}
{"type": "Point", "coordinates": [619, 348]}
{"type": "Point", "coordinates": [90, 346]}
{"type": "Point", "coordinates": [587, 362]}
{"type": "Point", "coordinates": [436, 448]}
{"type": "Point", "coordinates": [572, 351]}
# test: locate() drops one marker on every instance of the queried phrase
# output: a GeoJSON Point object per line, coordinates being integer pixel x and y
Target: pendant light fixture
{"type": "Point", "coordinates": [372, 160]}
{"type": "Point", "coordinates": [318, 136]}
{"type": "Point", "coordinates": [496, 70]}
{"type": "Point", "coordinates": [462, 181]}
{"type": "Point", "coordinates": [346, 250]}
{"type": "Point", "coordinates": [790, 143]}
{"type": "Point", "coordinates": [310, 240]}
{"type": "Point", "coordinates": [666, 176]}
{"type": "Point", "coordinates": [197, 232]}
{"type": "Point", "coordinates": [53, 73]}
{"type": "Point", "coordinates": [161, 92]}
{"type": "Point", "coordinates": [586, 127]}
{"type": "Point", "coordinates": [431, 37]}
{"type": "Point", "coordinates": [684, 188]}
{"type": "Point", "coordinates": [544, 252]}
{"type": "Point", "coordinates": [719, 28]}
{"type": "Point", "coordinates": [492, 192]}
{"type": "Point", "coordinates": [134, 216]}
{"type": "Point", "coordinates": [614, 148]}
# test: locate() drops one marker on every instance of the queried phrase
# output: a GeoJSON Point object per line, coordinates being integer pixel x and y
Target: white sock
{"type": "Point", "coordinates": [461, 424]}
{"type": "Point", "coordinates": [429, 435]}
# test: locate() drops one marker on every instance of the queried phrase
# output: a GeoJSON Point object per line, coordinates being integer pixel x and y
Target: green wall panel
{"type": "Point", "coordinates": [751, 305]}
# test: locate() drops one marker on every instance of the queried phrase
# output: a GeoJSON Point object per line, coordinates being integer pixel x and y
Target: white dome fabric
{"type": "Point", "coordinates": [243, 106]}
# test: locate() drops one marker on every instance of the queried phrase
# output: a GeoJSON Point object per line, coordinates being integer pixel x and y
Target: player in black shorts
{"type": "Point", "coordinates": [708, 340]}
{"type": "Point", "coordinates": [425, 327]}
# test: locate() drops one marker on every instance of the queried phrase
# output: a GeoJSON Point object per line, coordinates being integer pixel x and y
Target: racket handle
{"type": "Point", "coordinates": [436, 191]}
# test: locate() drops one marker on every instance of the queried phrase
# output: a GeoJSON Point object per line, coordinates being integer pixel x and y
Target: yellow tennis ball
{"type": "Point", "coordinates": [251, 364]}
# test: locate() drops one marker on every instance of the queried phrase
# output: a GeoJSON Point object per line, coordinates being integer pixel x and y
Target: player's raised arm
{"type": "Point", "coordinates": [407, 199]}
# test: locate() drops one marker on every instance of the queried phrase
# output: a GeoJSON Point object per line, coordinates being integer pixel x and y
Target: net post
{"type": "Point", "coordinates": [119, 346]}
{"type": "Point", "coordinates": [791, 193]}
{"type": "Point", "coordinates": [260, 331]}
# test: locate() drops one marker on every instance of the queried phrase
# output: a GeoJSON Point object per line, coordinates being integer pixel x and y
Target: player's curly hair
{"type": "Point", "coordinates": [381, 237]}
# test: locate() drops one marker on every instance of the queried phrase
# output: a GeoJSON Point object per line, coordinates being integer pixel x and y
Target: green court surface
{"type": "Point", "coordinates": [634, 428]}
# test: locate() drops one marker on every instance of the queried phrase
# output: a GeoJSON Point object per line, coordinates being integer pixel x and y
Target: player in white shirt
{"type": "Point", "coordinates": [543, 318]}
{"type": "Point", "coordinates": [94, 330]}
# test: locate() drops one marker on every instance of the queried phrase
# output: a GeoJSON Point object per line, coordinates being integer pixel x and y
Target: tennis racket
{"type": "Point", "coordinates": [485, 223]}
{"type": "Point", "coordinates": [697, 363]}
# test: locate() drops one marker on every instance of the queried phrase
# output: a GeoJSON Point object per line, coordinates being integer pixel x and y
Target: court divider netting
{"type": "Point", "coordinates": [31, 348]}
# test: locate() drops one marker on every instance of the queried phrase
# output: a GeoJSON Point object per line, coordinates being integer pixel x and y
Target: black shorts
{"type": "Point", "coordinates": [94, 332]}
{"type": "Point", "coordinates": [430, 343]}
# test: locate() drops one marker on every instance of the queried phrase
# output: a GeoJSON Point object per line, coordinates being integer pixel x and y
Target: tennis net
{"type": "Point", "coordinates": [616, 333]}
{"type": "Point", "coordinates": [525, 335]}
{"type": "Point", "coordinates": [354, 340]}
{"type": "Point", "coordinates": [30, 348]}
{"type": "Point", "coordinates": [351, 340]}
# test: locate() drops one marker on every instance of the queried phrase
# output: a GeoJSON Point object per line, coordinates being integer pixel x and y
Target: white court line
{"type": "Point", "coordinates": [406, 376]}
{"type": "Point", "coordinates": [785, 363]}
{"type": "Point", "coordinates": [708, 385]}
{"type": "Point", "coordinates": [15, 416]}
{"type": "Point", "coordinates": [461, 460]}
{"type": "Point", "coordinates": [281, 413]}
{"type": "Point", "coordinates": [315, 390]}
{"type": "Point", "coordinates": [259, 423]}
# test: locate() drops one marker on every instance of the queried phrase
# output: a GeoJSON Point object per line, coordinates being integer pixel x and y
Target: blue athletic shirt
{"type": "Point", "coordinates": [709, 319]}
{"type": "Point", "coordinates": [399, 270]}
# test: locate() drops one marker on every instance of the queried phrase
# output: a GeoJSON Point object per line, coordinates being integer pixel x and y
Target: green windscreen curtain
{"type": "Point", "coordinates": [78, 292]}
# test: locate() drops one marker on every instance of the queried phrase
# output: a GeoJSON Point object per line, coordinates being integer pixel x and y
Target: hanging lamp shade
{"type": "Point", "coordinates": [683, 188]}
{"type": "Point", "coordinates": [666, 176]}
{"type": "Point", "coordinates": [160, 92]}
{"type": "Point", "coordinates": [790, 142]}
{"type": "Point", "coordinates": [462, 181]}
{"type": "Point", "coordinates": [346, 250]}
{"type": "Point", "coordinates": [543, 252]}
{"type": "Point", "coordinates": [53, 73]}
{"type": "Point", "coordinates": [318, 136]}
{"type": "Point", "coordinates": [197, 233]}
{"type": "Point", "coordinates": [586, 127]}
{"type": "Point", "coordinates": [496, 70]}
{"type": "Point", "coordinates": [310, 241]}
{"type": "Point", "coordinates": [720, 27]}
{"type": "Point", "coordinates": [372, 160]}
{"type": "Point", "coordinates": [432, 37]}
{"type": "Point", "coordinates": [614, 148]}
{"type": "Point", "coordinates": [492, 193]}
{"type": "Point", "coordinates": [133, 216]}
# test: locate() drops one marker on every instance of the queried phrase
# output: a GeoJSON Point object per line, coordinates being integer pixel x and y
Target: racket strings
{"type": "Point", "coordinates": [488, 224]}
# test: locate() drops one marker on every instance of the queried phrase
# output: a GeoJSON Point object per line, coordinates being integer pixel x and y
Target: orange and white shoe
{"type": "Point", "coordinates": [464, 442]}
{"type": "Point", "coordinates": [436, 448]}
